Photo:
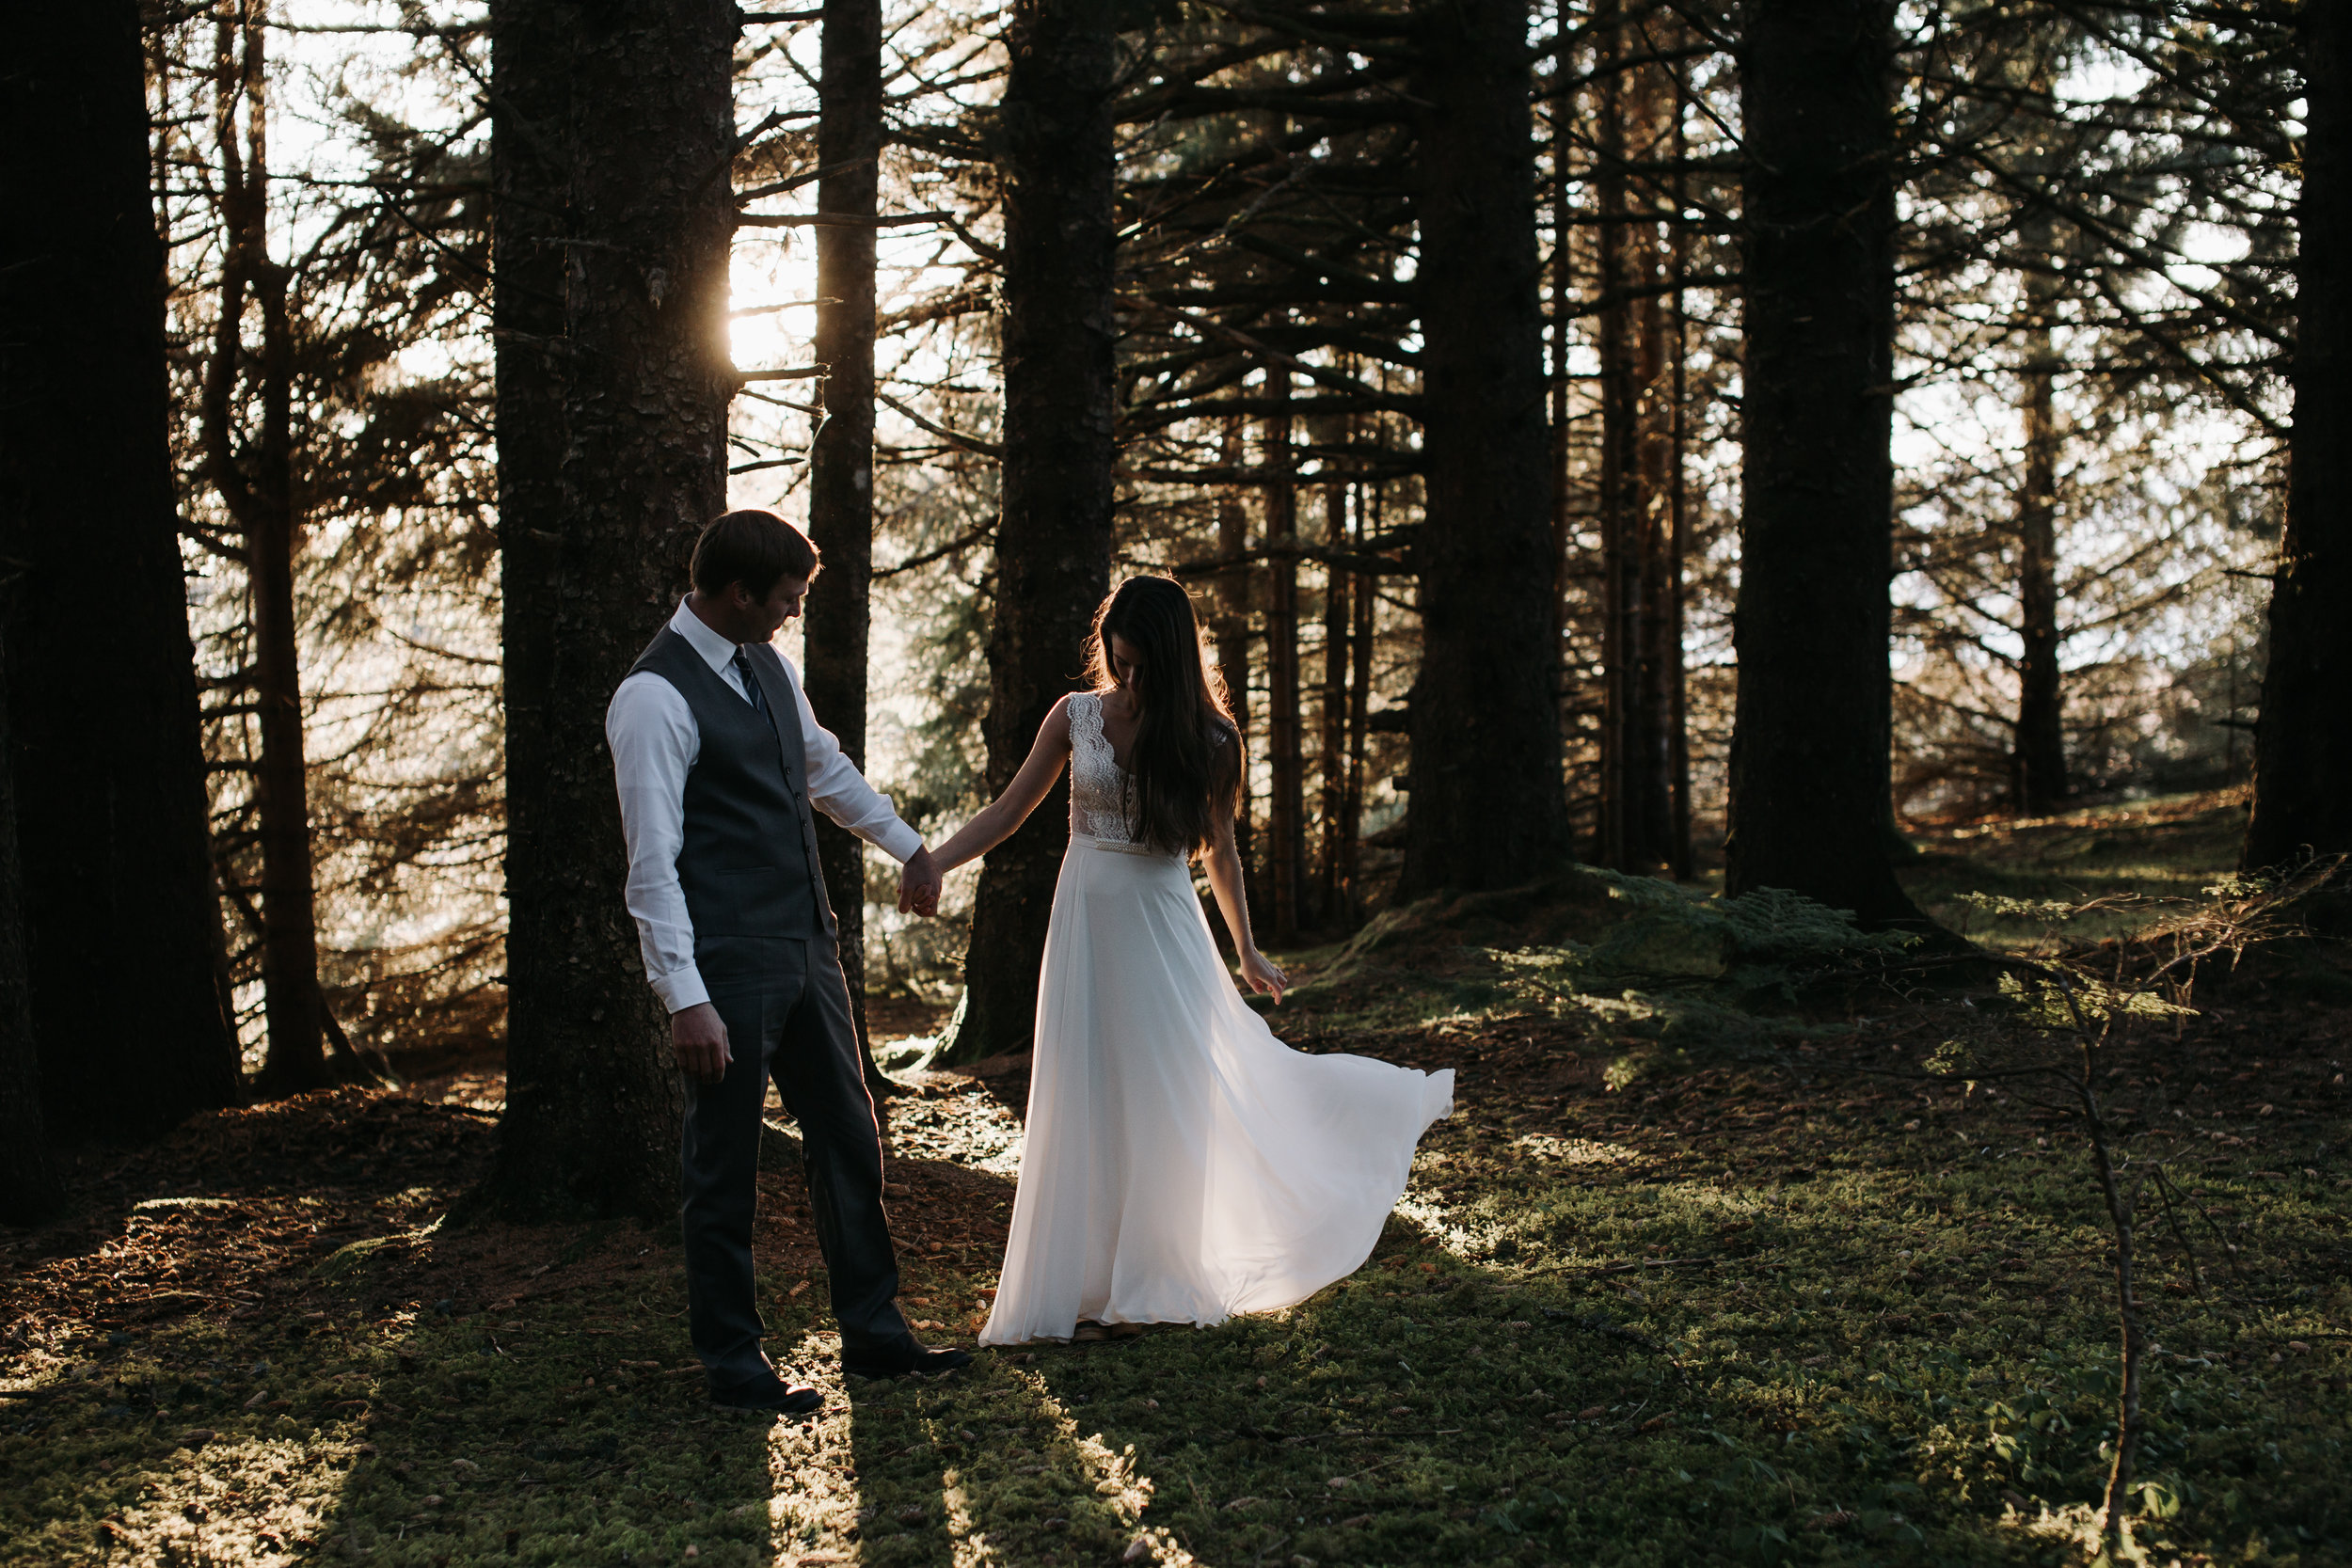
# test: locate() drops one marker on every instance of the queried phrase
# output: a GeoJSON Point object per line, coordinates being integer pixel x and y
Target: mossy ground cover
{"type": "Point", "coordinates": [1795, 1301]}
{"type": "Point", "coordinates": [2143, 860]}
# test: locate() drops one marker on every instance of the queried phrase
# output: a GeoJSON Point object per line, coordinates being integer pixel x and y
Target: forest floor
{"type": "Point", "coordinates": [1684, 1279]}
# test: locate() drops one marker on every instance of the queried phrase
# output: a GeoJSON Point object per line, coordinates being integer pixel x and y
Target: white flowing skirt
{"type": "Point", "coordinates": [1181, 1164]}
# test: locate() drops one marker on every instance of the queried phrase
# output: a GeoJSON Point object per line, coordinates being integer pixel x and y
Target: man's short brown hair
{"type": "Point", "coordinates": [753, 546]}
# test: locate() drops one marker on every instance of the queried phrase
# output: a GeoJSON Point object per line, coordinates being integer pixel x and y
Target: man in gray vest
{"type": "Point", "coordinates": [719, 759]}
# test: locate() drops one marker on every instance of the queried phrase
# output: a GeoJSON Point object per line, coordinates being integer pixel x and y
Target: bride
{"type": "Point", "coordinates": [1182, 1165]}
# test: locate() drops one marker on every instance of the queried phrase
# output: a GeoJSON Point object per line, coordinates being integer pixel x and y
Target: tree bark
{"type": "Point", "coordinates": [256, 484]}
{"type": "Point", "coordinates": [2303, 737]}
{"type": "Point", "coordinates": [119, 905]}
{"type": "Point", "coordinates": [1359, 710]}
{"type": "Point", "coordinates": [1286, 771]}
{"type": "Point", "coordinates": [1489, 806]}
{"type": "Point", "coordinates": [1619, 494]}
{"type": "Point", "coordinates": [1641, 643]}
{"type": "Point", "coordinates": [841, 459]}
{"type": "Point", "coordinates": [2037, 747]}
{"type": "Point", "coordinates": [1231, 630]}
{"type": "Point", "coordinates": [1810, 797]}
{"type": "Point", "coordinates": [612, 218]}
{"type": "Point", "coordinates": [1054, 544]}
{"type": "Point", "coordinates": [1678, 510]}
{"type": "Point", "coordinates": [2038, 758]}
{"type": "Point", "coordinates": [29, 1189]}
{"type": "Point", "coordinates": [1331, 710]}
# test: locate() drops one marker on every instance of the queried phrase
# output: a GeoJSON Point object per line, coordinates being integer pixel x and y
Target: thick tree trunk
{"type": "Point", "coordinates": [29, 1189]}
{"type": "Point", "coordinates": [1810, 797]}
{"type": "Point", "coordinates": [1487, 803]}
{"type": "Point", "coordinates": [841, 460]}
{"type": "Point", "coordinates": [256, 484]}
{"type": "Point", "coordinates": [1286, 770]}
{"type": "Point", "coordinates": [122, 920]}
{"type": "Point", "coordinates": [2303, 739]}
{"type": "Point", "coordinates": [611, 220]}
{"type": "Point", "coordinates": [1054, 544]}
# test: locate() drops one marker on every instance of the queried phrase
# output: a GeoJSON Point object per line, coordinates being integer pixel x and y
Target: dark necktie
{"type": "Point", "coordinates": [750, 682]}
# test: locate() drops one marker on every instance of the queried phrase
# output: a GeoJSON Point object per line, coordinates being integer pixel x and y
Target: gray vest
{"type": "Point", "coordinates": [748, 865]}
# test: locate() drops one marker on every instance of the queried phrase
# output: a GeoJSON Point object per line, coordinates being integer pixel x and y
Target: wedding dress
{"type": "Point", "coordinates": [1181, 1164]}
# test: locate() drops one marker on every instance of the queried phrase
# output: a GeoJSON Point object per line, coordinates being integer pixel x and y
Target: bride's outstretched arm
{"type": "Point", "coordinates": [995, 821]}
{"type": "Point", "coordinates": [1223, 864]}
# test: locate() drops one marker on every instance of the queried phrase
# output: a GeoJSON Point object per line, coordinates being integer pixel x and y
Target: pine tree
{"type": "Point", "coordinates": [1054, 544]}
{"type": "Point", "coordinates": [1487, 804]}
{"type": "Point", "coordinates": [2303, 744]}
{"type": "Point", "coordinates": [612, 218]}
{"type": "Point", "coordinates": [1811, 808]}
{"type": "Point", "coordinates": [123, 929]}
{"type": "Point", "coordinates": [841, 458]}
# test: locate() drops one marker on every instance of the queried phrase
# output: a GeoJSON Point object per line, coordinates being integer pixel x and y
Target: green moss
{"type": "Point", "coordinates": [1805, 1303]}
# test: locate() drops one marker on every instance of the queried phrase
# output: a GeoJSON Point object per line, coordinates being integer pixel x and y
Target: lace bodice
{"type": "Point", "coordinates": [1098, 786]}
{"type": "Point", "coordinates": [1102, 796]}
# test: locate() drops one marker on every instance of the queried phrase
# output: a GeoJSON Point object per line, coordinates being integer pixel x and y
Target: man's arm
{"type": "Point", "coordinates": [653, 743]}
{"type": "Point", "coordinates": [836, 788]}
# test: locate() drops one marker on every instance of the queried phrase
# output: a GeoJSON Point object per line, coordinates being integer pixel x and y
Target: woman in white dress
{"type": "Point", "coordinates": [1182, 1165]}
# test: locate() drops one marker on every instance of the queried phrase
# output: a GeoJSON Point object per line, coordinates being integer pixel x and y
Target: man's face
{"type": "Point", "coordinates": [761, 619]}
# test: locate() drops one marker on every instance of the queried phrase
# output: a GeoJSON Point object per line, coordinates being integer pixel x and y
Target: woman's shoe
{"type": "Point", "coordinates": [1088, 1332]}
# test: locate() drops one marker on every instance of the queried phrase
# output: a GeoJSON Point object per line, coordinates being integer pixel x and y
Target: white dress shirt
{"type": "Point", "coordinates": [655, 742]}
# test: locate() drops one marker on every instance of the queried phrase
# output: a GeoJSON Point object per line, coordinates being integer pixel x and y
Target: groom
{"type": "Point", "coordinates": [719, 758]}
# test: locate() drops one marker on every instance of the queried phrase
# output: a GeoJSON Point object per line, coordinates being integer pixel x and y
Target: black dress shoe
{"type": "Point", "coordinates": [902, 1355]}
{"type": "Point", "coordinates": [768, 1393]}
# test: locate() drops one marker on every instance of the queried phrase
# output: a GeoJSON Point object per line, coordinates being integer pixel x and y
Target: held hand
{"type": "Point", "coordinates": [1261, 975]}
{"type": "Point", "coordinates": [698, 1037]}
{"type": "Point", "coordinates": [919, 883]}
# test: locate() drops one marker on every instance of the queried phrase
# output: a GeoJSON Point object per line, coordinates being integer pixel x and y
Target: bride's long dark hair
{"type": "Point", "coordinates": [1185, 766]}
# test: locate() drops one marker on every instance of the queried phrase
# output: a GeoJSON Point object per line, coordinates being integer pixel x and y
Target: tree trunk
{"type": "Point", "coordinates": [1286, 771]}
{"type": "Point", "coordinates": [29, 1189]}
{"type": "Point", "coordinates": [1561, 272]}
{"type": "Point", "coordinates": [2303, 737]}
{"type": "Point", "coordinates": [1231, 630]}
{"type": "Point", "coordinates": [1678, 547]}
{"type": "Point", "coordinates": [1487, 804]}
{"type": "Point", "coordinates": [120, 908]}
{"type": "Point", "coordinates": [2039, 757]}
{"type": "Point", "coordinates": [1641, 643]}
{"type": "Point", "coordinates": [1332, 744]}
{"type": "Point", "coordinates": [1658, 647]}
{"type": "Point", "coordinates": [1360, 710]}
{"type": "Point", "coordinates": [1619, 496]}
{"type": "Point", "coordinates": [2038, 751]}
{"type": "Point", "coordinates": [1054, 544]}
{"type": "Point", "coordinates": [1810, 797]}
{"type": "Point", "coordinates": [256, 484]}
{"type": "Point", "coordinates": [611, 219]}
{"type": "Point", "coordinates": [841, 459]}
